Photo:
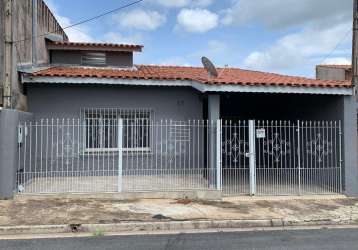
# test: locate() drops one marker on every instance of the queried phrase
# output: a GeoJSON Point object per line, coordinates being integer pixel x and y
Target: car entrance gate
{"type": "Point", "coordinates": [281, 157]}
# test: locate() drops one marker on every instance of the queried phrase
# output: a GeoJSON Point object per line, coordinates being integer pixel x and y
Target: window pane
{"type": "Point", "coordinates": [102, 128]}
{"type": "Point", "coordinates": [94, 58]}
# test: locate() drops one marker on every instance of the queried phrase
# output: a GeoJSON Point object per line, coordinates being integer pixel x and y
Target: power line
{"type": "Point", "coordinates": [85, 20]}
{"type": "Point", "coordinates": [337, 45]}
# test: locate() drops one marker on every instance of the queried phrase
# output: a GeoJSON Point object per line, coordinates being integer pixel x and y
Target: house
{"type": "Point", "coordinates": [98, 122]}
{"type": "Point", "coordinates": [19, 22]}
{"type": "Point", "coordinates": [334, 72]}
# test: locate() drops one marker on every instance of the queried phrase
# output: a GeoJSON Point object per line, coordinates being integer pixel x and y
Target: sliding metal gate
{"type": "Point", "coordinates": [281, 157]}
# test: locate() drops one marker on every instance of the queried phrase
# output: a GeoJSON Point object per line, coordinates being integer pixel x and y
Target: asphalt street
{"type": "Point", "coordinates": [293, 239]}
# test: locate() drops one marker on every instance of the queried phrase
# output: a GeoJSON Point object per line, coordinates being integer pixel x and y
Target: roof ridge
{"type": "Point", "coordinates": [236, 68]}
{"type": "Point", "coordinates": [241, 77]}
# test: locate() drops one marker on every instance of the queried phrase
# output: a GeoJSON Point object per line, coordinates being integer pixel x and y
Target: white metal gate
{"type": "Point", "coordinates": [281, 157]}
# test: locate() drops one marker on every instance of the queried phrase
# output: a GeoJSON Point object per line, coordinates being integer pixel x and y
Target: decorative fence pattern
{"type": "Point", "coordinates": [74, 155]}
{"type": "Point", "coordinates": [286, 158]}
{"type": "Point", "coordinates": [112, 153]}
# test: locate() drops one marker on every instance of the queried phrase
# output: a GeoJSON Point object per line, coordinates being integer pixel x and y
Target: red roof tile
{"type": "Point", "coordinates": [97, 45]}
{"type": "Point", "coordinates": [233, 76]}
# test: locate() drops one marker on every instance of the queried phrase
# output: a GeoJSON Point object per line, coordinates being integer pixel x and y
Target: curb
{"type": "Point", "coordinates": [169, 226]}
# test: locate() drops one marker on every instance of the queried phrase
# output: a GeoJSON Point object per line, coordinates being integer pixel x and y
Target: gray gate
{"type": "Point", "coordinates": [281, 157]}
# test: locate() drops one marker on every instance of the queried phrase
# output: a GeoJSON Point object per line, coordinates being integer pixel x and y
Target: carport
{"type": "Point", "coordinates": [286, 143]}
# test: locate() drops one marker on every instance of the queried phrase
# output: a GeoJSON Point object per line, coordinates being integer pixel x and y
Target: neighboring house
{"type": "Point", "coordinates": [23, 24]}
{"type": "Point", "coordinates": [334, 72]}
{"type": "Point", "coordinates": [100, 123]}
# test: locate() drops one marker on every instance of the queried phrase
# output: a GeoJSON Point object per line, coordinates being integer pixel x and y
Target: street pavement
{"type": "Point", "coordinates": [291, 239]}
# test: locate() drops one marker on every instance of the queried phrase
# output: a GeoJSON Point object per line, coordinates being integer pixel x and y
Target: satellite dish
{"type": "Point", "coordinates": [209, 66]}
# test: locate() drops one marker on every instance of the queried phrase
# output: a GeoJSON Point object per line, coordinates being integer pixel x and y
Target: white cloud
{"type": "Point", "coordinates": [140, 19]}
{"type": "Point", "coordinates": [278, 14]}
{"type": "Point", "coordinates": [183, 3]}
{"type": "Point", "coordinates": [214, 49]}
{"type": "Point", "coordinates": [115, 37]}
{"type": "Point", "coordinates": [298, 49]}
{"type": "Point", "coordinates": [197, 20]}
{"type": "Point", "coordinates": [174, 61]}
{"type": "Point", "coordinates": [173, 3]}
{"type": "Point", "coordinates": [76, 34]}
{"type": "Point", "coordinates": [338, 60]}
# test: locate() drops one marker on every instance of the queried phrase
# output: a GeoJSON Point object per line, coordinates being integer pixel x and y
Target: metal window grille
{"type": "Point", "coordinates": [101, 129]}
{"type": "Point", "coordinates": [94, 58]}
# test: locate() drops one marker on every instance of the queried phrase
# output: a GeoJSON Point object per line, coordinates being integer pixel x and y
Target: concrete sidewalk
{"type": "Point", "coordinates": [51, 212]}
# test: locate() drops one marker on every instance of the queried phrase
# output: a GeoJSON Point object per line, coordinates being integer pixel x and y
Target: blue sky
{"type": "Point", "coordinates": [282, 36]}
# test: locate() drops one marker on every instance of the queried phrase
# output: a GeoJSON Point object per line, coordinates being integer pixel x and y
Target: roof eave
{"type": "Point", "coordinates": [190, 83]}
{"type": "Point", "coordinates": [96, 48]}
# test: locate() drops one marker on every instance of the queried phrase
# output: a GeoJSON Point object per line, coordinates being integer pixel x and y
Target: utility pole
{"type": "Point", "coordinates": [8, 63]}
{"type": "Point", "coordinates": [34, 33]}
{"type": "Point", "coordinates": [355, 46]}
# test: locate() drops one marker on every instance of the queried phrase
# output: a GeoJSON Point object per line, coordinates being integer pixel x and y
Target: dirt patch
{"type": "Point", "coordinates": [346, 202]}
{"type": "Point", "coordinates": [242, 207]}
{"type": "Point", "coordinates": [67, 211]}
{"type": "Point", "coordinates": [83, 211]}
{"type": "Point", "coordinates": [183, 201]}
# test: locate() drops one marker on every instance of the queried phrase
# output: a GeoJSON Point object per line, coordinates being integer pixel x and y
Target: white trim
{"type": "Point", "coordinates": [196, 85]}
{"type": "Point", "coordinates": [110, 150]}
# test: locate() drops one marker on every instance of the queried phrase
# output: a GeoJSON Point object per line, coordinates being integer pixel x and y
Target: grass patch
{"type": "Point", "coordinates": [98, 232]}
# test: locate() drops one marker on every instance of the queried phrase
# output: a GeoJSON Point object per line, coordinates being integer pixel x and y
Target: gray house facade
{"type": "Point", "coordinates": [97, 122]}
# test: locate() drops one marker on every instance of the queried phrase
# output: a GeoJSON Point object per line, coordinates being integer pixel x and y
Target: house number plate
{"type": "Point", "coordinates": [260, 133]}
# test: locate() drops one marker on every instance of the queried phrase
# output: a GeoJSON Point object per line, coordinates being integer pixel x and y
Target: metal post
{"type": "Point", "coordinates": [252, 156]}
{"type": "Point", "coordinates": [218, 154]}
{"type": "Point", "coordinates": [340, 157]}
{"type": "Point", "coordinates": [299, 157]}
{"type": "Point", "coordinates": [120, 154]}
{"type": "Point", "coordinates": [355, 45]}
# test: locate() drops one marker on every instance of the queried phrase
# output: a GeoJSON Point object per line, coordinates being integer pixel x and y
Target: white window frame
{"type": "Point", "coordinates": [118, 114]}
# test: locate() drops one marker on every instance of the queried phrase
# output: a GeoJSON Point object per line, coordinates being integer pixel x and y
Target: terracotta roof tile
{"type": "Point", "coordinates": [232, 76]}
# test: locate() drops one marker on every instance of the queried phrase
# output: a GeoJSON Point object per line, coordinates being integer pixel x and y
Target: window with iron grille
{"type": "Point", "coordinates": [101, 129]}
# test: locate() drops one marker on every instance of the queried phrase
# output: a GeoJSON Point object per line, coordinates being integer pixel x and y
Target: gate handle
{"type": "Point", "coordinates": [248, 154]}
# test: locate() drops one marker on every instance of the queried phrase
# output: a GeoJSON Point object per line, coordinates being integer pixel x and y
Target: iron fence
{"type": "Point", "coordinates": [83, 155]}
{"type": "Point", "coordinates": [114, 153]}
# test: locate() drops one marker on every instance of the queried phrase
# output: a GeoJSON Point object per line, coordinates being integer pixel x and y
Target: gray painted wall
{"type": "Point", "coordinates": [350, 145]}
{"type": "Point", "coordinates": [213, 115]}
{"type": "Point", "coordinates": [73, 57]}
{"type": "Point", "coordinates": [9, 120]}
{"type": "Point", "coordinates": [2, 45]}
{"type": "Point", "coordinates": [47, 101]}
{"type": "Point", "coordinates": [327, 73]}
{"type": "Point", "coordinates": [50, 101]}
